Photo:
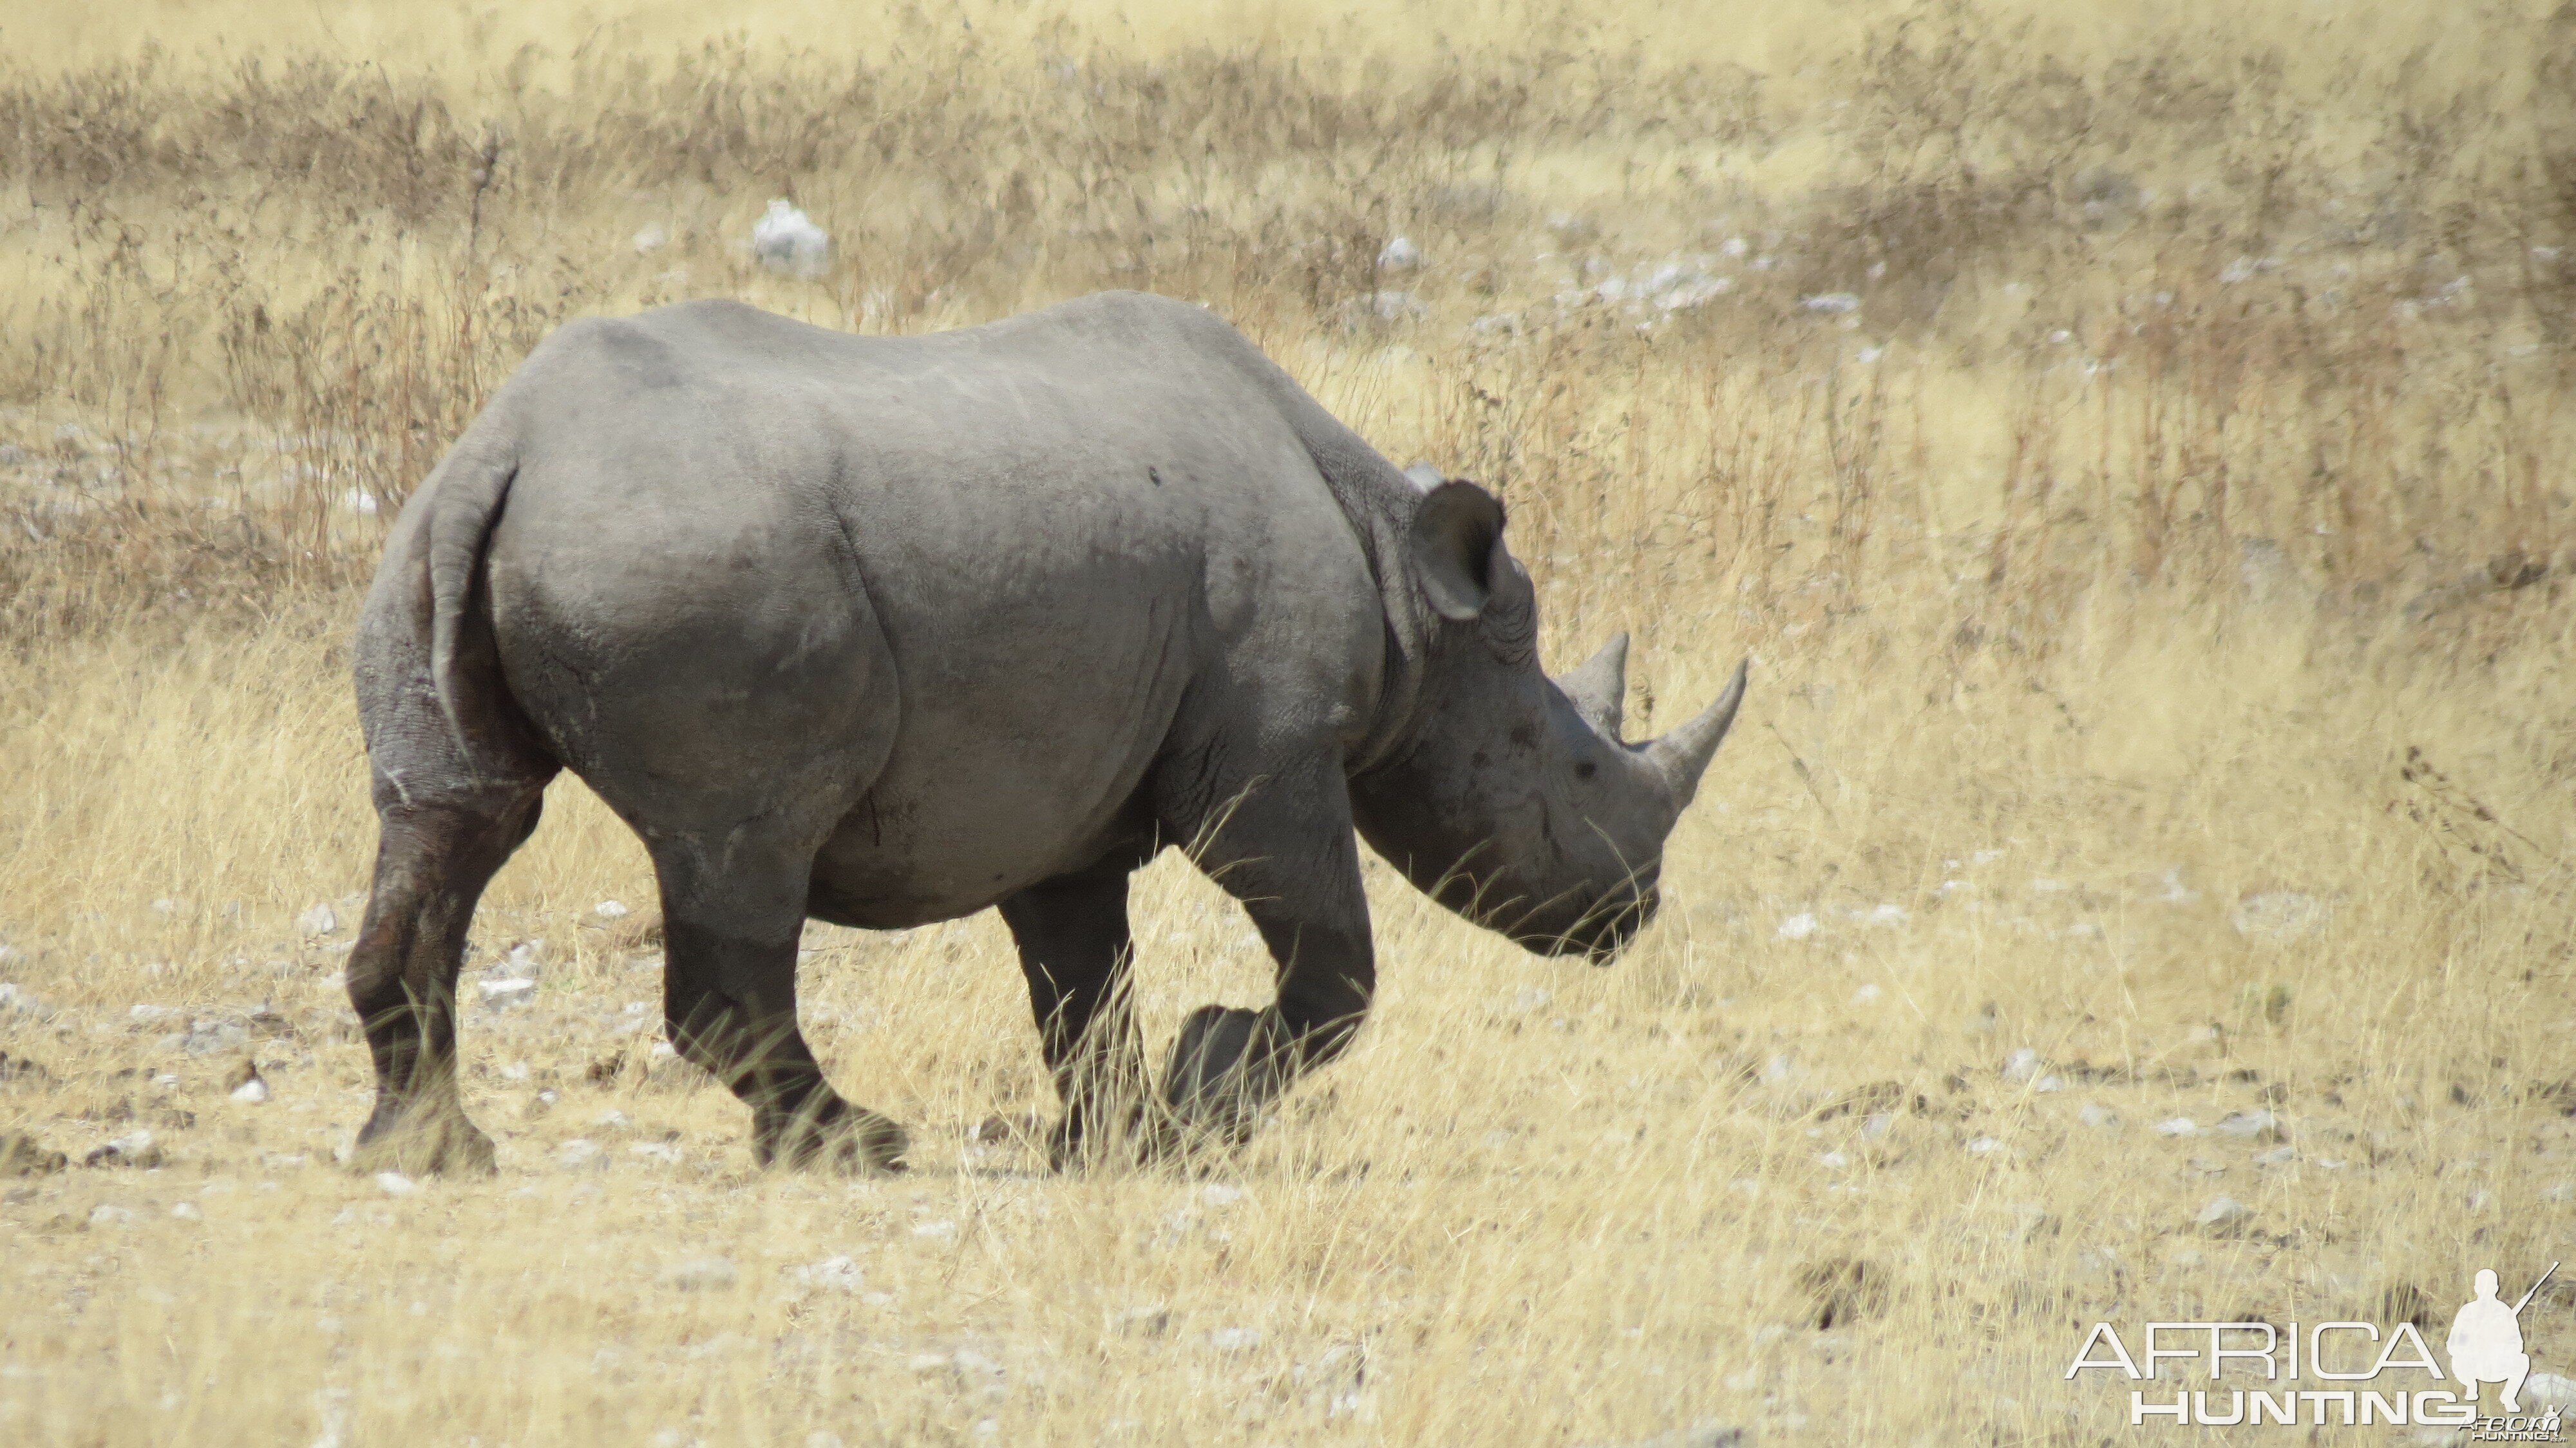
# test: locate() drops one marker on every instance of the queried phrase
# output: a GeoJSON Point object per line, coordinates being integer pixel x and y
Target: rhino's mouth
{"type": "Point", "coordinates": [1599, 935]}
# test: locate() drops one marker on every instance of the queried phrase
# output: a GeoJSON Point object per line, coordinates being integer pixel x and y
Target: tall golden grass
{"type": "Point", "coordinates": [2132, 446]}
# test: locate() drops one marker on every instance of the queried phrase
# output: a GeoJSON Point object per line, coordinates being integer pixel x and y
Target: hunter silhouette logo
{"type": "Point", "coordinates": [2486, 1340]}
{"type": "Point", "coordinates": [2362, 1373]}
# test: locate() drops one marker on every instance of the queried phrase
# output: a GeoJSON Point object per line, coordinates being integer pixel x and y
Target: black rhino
{"type": "Point", "coordinates": [885, 630]}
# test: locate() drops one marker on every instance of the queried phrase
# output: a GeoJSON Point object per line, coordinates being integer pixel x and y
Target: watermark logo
{"type": "Point", "coordinates": [2486, 1341]}
{"type": "Point", "coordinates": [2364, 1374]}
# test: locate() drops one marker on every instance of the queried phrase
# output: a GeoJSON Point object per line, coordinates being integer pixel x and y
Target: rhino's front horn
{"type": "Point", "coordinates": [1598, 687]}
{"type": "Point", "coordinates": [1683, 755]}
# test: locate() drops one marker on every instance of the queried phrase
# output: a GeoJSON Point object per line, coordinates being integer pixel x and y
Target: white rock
{"type": "Point", "coordinates": [320, 920]}
{"type": "Point", "coordinates": [2048, 1085]}
{"type": "Point", "coordinates": [2278, 916]}
{"type": "Point", "coordinates": [2177, 1126]}
{"type": "Point", "coordinates": [360, 501]}
{"type": "Point", "coordinates": [1831, 304]}
{"type": "Point", "coordinates": [251, 1092]}
{"type": "Point", "coordinates": [395, 1184]}
{"type": "Point", "coordinates": [2249, 1123]}
{"type": "Point", "coordinates": [1886, 915]}
{"type": "Point", "coordinates": [1984, 1146]}
{"type": "Point", "coordinates": [1531, 998]}
{"type": "Point", "coordinates": [787, 240]}
{"type": "Point", "coordinates": [1699, 1435]}
{"type": "Point", "coordinates": [1798, 926]}
{"type": "Point", "coordinates": [704, 1274]}
{"type": "Point", "coordinates": [1395, 306]}
{"type": "Point", "coordinates": [1150, 1319]}
{"type": "Point", "coordinates": [1235, 1339]}
{"type": "Point", "coordinates": [665, 1152]}
{"type": "Point", "coordinates": [187, 1212]}
{"type": "Point", "coordinates": [1399, 255]}
{"type": "Point", "coordinates": [840, 1274]}
{"type": "Point", "coordinates": [525, 957]}
{"type": "Point", "coordinates": [2021, 1065]}
{"type": "Point", "coordinates": [651, 239]}
{"type": "Point", "coordinates": [2222, 1214]}
{"type": "Point", "coordinates": [610, 910]}
{"type": "Point", "coordinates": [1867, 993]}
{"type": "Point", "coordinates": [107, 1216]}
{"type": "Point", "coordinates": [133, 1143]}
{"type": "Point", "coordinates": [581, 1152]}
{"type": "Point", "coordinates": [942, 1230]}
{"type": "Point", "coordinates": [1218, 1194]}
{"type": "Point", "coordinates": [506, 991]}
{"type": "Point", "coordinates": [205, 1038]}
{"type": "Point", "coordinates": [612, 1120]}
{"type": "Point", "coordinates": [150, 1015]}
{"type": "Point", "coordinates": [2277, 1156]}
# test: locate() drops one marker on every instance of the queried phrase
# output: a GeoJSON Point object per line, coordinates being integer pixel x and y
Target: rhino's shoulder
{"type": "Point", "coordinates": [1140, 320]}
{"type": "Point", "coordinates": [705, 330]}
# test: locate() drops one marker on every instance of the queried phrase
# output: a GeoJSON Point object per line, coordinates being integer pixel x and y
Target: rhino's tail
{"type": "Point", "coordinates": [470, 491]}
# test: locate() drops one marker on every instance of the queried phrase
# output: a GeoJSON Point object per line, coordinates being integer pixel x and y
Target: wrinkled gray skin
{"type": "Point", "coordinates": [886, 630]}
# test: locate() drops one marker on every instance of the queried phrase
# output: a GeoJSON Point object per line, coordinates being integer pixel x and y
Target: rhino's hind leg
{"type": "Point", "coordinates": [729, 995]}
{"type": "Point", "coordinates": [432, 863]}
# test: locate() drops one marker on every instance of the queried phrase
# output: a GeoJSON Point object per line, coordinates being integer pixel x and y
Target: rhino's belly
{"type": "Point", "coordinates": [914, 852]}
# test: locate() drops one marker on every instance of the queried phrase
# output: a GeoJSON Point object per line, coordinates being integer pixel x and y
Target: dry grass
{"type": "Point", "coordinates": [2158, 580]}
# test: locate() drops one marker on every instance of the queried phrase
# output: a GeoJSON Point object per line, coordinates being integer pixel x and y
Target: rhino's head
{"type": "Point", "coordinates": [1516, 803]}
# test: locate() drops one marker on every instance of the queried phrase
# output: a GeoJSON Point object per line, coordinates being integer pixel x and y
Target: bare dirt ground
{"type": "Point", "coordinates": [2137, 889]}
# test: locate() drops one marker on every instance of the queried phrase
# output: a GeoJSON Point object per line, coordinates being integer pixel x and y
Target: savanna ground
{"type": "Point", "coordinates": [2134, 452]}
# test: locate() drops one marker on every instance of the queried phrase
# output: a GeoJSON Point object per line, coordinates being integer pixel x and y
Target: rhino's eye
{"type": "Point", "coordinates": [1586, 770]}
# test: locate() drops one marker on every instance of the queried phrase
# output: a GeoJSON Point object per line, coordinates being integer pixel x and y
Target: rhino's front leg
{"type": "Point", "coordinates": [1287, 853]}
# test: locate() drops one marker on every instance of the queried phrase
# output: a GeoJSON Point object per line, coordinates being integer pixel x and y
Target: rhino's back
{"type": "Point", "coordinates": [1068, 528]}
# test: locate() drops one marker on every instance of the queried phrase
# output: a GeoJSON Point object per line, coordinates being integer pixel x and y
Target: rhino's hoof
{"type": "Point", "coordinates": [854, 1142]}
{"type": "Point", "coordinates": [1083, 1138]}
{"type": "Point", "coordinates": [1207, 1060]}
{"type": "Point", "coordinates": [1067, 1147]}
{"type": "Point", "coordinates": [422, 1141]}
{"type": "Point", "coordinates": [1216, 1086]}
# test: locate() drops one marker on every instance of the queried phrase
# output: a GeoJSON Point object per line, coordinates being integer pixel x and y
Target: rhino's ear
{"type": "Point", "coordinates": [1424, 477]}
{"type": "Point", "coordinates": [1457, 544]}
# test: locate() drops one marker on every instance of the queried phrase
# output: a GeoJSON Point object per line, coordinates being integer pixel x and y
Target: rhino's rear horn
{"type": "Point", "coordinates": [1683, 755]}
{"type": "Point", "coordinates": [1598, 687]}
